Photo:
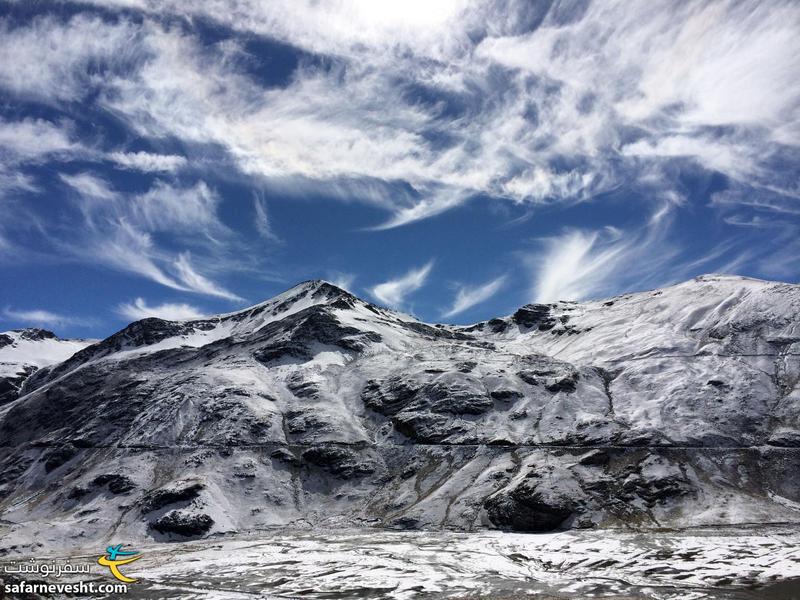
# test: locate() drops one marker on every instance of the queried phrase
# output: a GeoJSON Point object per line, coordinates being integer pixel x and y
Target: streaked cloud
{"type": "Point", "coordinates": [395, 291]}
{"type": "Point", "coordinates": [528, 103]}
{"type": "Point", "coordinates": [467, 297]}
{"type": "Point", "coordinates": [89, 186]}
{"type": "Point", "coordinates": [511, 101]}
{"type": "Point", "coordinates": [342, 280]}
{"type": "Point", "coordinates": [31, 139]}
{"type": "Point", "coordinates": [42, 317]}
{"type": "Point", "coordinates": [148, 162]}
{"type": "Point", "coordinates": [118, 230]}
{"type": "Point", "coordinates": [262, 220]}
{"type": "Point", "coordinates": [195, 282]}
{"type": "Point", "coordinates": [183, 210]}
{"type": "Point", "coordinates": [580, 264]}
{"type": "Point", "coordinates": [77, 59]}
{"type": "Point", "coordinates": [139, 309]}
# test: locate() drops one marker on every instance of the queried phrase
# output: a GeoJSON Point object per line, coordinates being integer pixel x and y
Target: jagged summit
{"type": "Point", "coordinates": [315, 291]}
{"type": "Point", "coordinates": [34, 333]}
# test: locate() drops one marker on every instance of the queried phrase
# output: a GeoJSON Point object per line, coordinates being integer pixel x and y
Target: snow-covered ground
{"type": "Point", "coordinates": [34, 347]}
{"type": "Point", "coordinates": [739, 564]}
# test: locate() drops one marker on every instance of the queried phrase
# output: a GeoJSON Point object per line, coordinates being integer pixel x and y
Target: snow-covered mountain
{"type": "Point", "coordinates": [673, 407]}
{"type": "Point", "coordinates": [23, 351]}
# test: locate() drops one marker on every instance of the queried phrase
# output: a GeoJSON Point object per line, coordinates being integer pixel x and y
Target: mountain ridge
{"type": "Point", "coordinates": [670, 407]}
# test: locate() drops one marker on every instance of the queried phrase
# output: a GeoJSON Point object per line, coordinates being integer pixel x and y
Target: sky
{"type": "Point", "coordinates": [450, 159]}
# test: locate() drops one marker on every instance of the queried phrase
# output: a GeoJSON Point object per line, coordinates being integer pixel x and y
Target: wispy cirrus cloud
{"type": "Point", "coordinates": [148, 161]}
{"type": "Point", "coordinates": [342, 280]}
{"type": "Point", "coordinates": [532, 104]}
{"type": "Point", "coordinates": [33, 139]}
{"type": "Point", "coordinates": [77, 60]}
{"type": "Point", "coordinates": [263, 221]}
{"type": "Point", "coordinates": [395, 291]}
{"type": "Point", "coordinates": [117, 230]}
{"type": "Point", "coordinates": [183, 210]}
{"type": "Point", "coordinates": [529, 103]}
{"type": "Point", "coordinates": [90, 187]}
{"type": "Point", "coordinates": [469, 296]}
{"type": "Point", "coordinates": [196, 282]}
{"type": "Point", "coordinates": [580, 264]}
{"type": "Point", "coordinates": [170, 311]}
{"type": "Point", "coordinates": [39, 316]}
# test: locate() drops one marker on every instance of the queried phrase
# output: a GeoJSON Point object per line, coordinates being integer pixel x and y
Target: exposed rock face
{"type": "Point", "coordinates": [344, 462]}
{"type": "Point", "coordinates": [655, 409]}
{"type": "Point", "coordinates": [176, 492]}
{"type": "Point", "coordinates": [182, 523]}
{"type": "Point", "coordinates": [116, 483]}
{"type": "Point", "coordinates": [34, 334]}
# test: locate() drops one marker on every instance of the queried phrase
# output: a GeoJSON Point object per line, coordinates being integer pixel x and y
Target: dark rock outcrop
{"type": "Point", "coordinates": [535, 315]}
{"type": "Point", "coordinates": [530, 506]}
{"type": "Point", "coordinates": [181, 492]}
{"type": "Point", "coordinates": [116, 483]}
{"type": "Point", "coordinates": [337, 460]}
{"type": "Point", "coordinates": [183, 523]}
{"type": "Point", "coordinates": [58, 456]}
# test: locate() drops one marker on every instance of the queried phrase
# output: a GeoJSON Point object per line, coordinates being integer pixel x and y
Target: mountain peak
{"type": "Point", "coordinates": [320, 289]}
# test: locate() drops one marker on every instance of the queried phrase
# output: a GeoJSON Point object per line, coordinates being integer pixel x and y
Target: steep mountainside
{"type": "Point", "coordinates": [675, 407]}
{"type": "Point", "coordinates": [23, 351]}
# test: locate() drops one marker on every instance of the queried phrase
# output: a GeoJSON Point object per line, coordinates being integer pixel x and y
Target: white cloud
{"type": "Point", "coordinates": [736, 161]}
{"type": "Point", "coordinates": [338, 27]}
{"type": "Point", "coordinates": [342, 280]}
{"type": "Point", "coordinates": [51, 62]}
{"type": "Point", "coordinates": [585, 264]}
{"type": "Point", "coordinates": [125, 248]}
{"type": "Point", "coordinates": [467, 297]}
{"type": "Point", "coordinates": [432, 204]}
{"type": "Point", "coordinates": [41, 317]}
{"type": "Point", "coordinates": [777, 203]}
{"type": "Point", "coordinates": [395, 291]}
{"type": "Point", "coordinates": [139, 309]}
{"type": "Point", "coordinates": [195, 282]}
{"type": "Point", "coordinates": [582, 264]}
{"type": "Point", "coordinates": [507, 100]}
{"type": "Point", "coordinates": [263, 222]}
{"type": "Point", "coordinates": [33, 139]}
{"type": "Point", "coordinates": [118, 230]}
{"type": "Point", "coordinates": [148, 162]}
{"type": "Point", "coordinates": [11, 181]}
{"type": "Point", "coordinates": [573, 268]}
{"type": "Point", "coordinates": [181, 210]}
{"type": "Point", "coordinates": [90, 186]}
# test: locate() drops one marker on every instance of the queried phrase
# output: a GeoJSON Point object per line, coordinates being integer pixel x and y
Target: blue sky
{"type": "Point", "coordinates": [451, 159]}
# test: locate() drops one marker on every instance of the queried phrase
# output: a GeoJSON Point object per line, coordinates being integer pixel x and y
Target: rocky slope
{"type": "Point", "coordinates": [24, 351]}
{"type": "Point", "coordinates": [675, 407]}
